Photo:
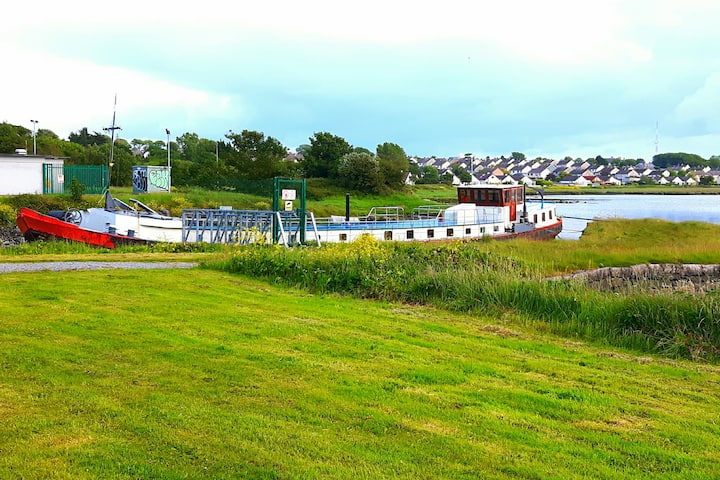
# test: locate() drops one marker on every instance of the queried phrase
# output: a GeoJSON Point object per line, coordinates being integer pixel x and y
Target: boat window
{"type": "Point", "coordinates": [410, 234]}
{"type": "Point", "coordinates": [543, 216]}
{"type": "Point", "coordinates": [550, 214]}
{"type": "Point", "coordinates": [431, 233]}
{"type": "Point", "coordinates": [450, 232]}
{"type": "Point", "coordinates": [467, 231]}
{"type": "Point", "coordinates": [496, 228]}
{"type": "Point", "coordinates": [482, 229]}
{"type": "Point", "coordinates": [343, 237]}
{"type": "Point", "coordinates": [535, 218]}
{"type": "Point", "coordinates": [388, 234]}
{"type": "Point", "coordinates": [507, 196]}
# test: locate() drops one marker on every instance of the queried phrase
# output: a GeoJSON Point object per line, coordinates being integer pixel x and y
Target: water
{"type": "Point", "coordinates": [577, 210]}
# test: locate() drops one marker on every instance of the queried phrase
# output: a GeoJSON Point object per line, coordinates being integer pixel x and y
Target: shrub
{"type": "Point", "coordinates": [7, 215]}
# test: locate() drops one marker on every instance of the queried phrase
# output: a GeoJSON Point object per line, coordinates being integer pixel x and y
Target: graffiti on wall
{"type": "Point", "coordinates": [148, 179]}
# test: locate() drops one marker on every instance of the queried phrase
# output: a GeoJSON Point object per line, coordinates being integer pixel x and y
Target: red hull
{"type": "Point", "coordinates": [542, 233]}
{"type": "Point", "coordinates": [34, 225]}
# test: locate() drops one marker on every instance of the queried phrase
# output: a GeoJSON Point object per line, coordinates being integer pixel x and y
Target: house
{"type": "Point", "coordinates": [34, 174]}
{"type": "Point", "coordinates": [521, 179]}
{"type": "Point", "coordinates": [575, 180]}
{"type": "Point", "coordinates": [489, 178]}
{"type": "Point", "coordinates": [608, 180]}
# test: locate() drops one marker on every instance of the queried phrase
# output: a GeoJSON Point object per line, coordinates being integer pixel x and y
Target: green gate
{"type": "Point", "coordinates": [287, 194]}
{"type": "Point", "coordinates": [59, 178]}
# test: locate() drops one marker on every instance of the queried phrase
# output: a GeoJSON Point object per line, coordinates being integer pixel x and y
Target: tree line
{"type": "Point", "coordinates": [247, 155]}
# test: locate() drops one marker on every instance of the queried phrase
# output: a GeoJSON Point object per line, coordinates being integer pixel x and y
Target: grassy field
{"type": "Point", "coordinates": [202, 374]}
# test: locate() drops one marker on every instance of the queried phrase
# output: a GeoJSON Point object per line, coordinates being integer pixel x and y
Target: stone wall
{"type": "Point", "coordinates": [690, 278]}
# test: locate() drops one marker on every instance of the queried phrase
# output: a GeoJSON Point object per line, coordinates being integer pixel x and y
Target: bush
{"type": "Point", "coordinates": [7, 215]}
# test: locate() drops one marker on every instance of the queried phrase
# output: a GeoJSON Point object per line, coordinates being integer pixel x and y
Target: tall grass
{"type": "Point", "coordinates": [488, 277]}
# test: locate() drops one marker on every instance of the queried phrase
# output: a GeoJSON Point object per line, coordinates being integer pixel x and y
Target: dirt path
{"type": "Point", "coordinates": [59, 266]}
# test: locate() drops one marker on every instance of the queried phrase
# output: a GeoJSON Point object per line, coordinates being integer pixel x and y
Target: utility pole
{"type": "Point", "coordinates": [112, 129]}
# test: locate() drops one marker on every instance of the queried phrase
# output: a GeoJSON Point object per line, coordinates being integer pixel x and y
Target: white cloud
{"type": "Point", "coordinates": [66, 95]}
{"type": "Point", "coordinates": [703, 105]}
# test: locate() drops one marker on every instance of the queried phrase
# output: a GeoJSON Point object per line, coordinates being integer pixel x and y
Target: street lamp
{"type": "Point", "coordinates": [167, 131]}
{"type": "Point", "coordinates": [34, 122]}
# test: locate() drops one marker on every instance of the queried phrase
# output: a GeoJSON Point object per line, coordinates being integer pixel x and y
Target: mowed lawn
{"type": "Point", "coordinates": [176, 374]}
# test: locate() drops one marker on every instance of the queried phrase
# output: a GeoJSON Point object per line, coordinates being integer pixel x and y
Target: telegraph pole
{"type": "Point", "coordinates": [112, 129]}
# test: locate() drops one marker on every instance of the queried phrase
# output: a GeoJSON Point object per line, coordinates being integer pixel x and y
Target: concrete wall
{"type": "Point", "coordinates": [23, 173]}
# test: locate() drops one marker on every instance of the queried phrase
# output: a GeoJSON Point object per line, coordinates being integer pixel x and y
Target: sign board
{"type": "Point", "coordinates": [288, 205]}
{"type": "Point", "coordinates": [61, 178]}
{"type": "Point", "coordinates": [288, 194]}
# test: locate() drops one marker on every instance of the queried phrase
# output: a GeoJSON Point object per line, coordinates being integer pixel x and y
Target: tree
{"type": "Point", "coordinates": [84, 138]}
{"type": "Point", "coordinates": [706, 180]}
{"type": "Point", "coordinates": [256, 156]}
{"type": "Point", "coordinates": [429, 175]}
{"type": "Point", "coordinates": [323, 157]}
{"type": "Point", "coordinates": [517, 156]}
{"type": "Point", "coordinates": [461, 173]}
{"type": "Point", "coordinates": [13, 136]}
{"type": "Point", "coordinates": [394, 164]}
{"type": "Point", "coordinates": [361, 172]}
{"type": "Point", "coordinates": [664, 160]}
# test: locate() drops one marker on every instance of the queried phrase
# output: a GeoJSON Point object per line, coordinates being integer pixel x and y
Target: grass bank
{"type": "Point", "coordinates": [200, 374]}
{"type": "Point", "coordinates": [509, 278]}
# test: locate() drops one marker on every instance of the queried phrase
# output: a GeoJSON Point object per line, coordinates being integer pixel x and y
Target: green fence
{"type": "Point", "coordinates": [59, 178]}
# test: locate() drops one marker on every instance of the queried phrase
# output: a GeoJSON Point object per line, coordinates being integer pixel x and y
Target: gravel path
{"type": "Point", "coordinates": [58, 266]}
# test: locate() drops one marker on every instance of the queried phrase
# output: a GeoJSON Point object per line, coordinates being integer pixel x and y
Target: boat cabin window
{"type": "Point", "coordinates": [343, 237]}
{"type": "Point", "coordinates": [388, 234]}
{"type": "Point", "coordinates": [410, 234]}
{"type": "Point", "coordinates": [543, 216]}
{"type": "Point", "coordinates": [535, 218]}
{"type": "Point", "coordinates": [450, 232]}
{"type": "Point", "coordinates": [431, 233]}
{"type": "Point", "coordinates": [467, 231]}
{"type": "Point", "coordinates": [550, 214]}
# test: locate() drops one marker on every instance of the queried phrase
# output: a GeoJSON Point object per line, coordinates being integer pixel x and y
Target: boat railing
{"type": "Point", "coordinates": [428, 212]}
{"type": "Point", "coordinates": [385, 214]}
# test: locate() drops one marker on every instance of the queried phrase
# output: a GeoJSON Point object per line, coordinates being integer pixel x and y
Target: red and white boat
{"type": "Point", "coordinates": [482, 211]}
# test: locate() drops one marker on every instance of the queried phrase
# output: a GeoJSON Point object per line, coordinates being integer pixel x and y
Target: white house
{"type": "Point", "coordinates": [27, 173]}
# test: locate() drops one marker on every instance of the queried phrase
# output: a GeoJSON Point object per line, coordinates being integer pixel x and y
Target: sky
{"type": "Point", "coordinates": [621, 78]}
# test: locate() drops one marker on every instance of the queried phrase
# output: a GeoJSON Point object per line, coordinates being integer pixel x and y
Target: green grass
{"type": "Point", "coordinates": [200, 374]}
{"type": "Point", "coordinates": [502, 277]}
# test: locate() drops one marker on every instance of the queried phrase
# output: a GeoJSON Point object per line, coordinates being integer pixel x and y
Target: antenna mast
{"type": "Point", "coordinates": [112, 138]}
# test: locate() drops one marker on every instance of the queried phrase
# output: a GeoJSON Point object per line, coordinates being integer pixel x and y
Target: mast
{"type": "Point", "coordinates": [112, 129]}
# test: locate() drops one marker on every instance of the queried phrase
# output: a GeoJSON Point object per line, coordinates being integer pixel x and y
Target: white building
{"type": "Point", "coordinates": [27, 173]}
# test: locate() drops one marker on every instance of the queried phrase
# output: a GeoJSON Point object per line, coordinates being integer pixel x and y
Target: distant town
{"type": "Point", "coordinates": [517, 169]}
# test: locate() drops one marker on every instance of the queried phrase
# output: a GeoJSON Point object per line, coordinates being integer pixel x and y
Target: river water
{"type": "Point", "coordinates": [577, 210]}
